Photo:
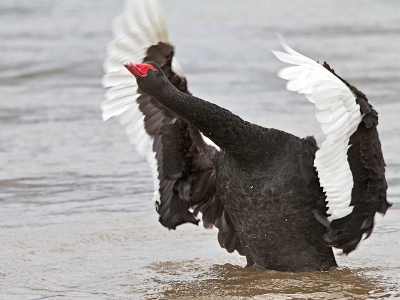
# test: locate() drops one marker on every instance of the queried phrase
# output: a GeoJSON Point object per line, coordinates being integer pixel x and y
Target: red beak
{"type": "Point", "coordinates": [138, 70]}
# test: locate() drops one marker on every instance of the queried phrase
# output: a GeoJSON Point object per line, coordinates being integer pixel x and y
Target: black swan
{"type": "Point", "coordinates": [276, 198]}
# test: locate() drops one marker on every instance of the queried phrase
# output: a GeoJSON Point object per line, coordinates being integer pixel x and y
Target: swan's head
{"type": "Point", "coordinates": [149, 76]}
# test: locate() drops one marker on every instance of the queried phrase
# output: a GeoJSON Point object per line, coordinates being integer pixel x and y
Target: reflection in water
{"type": "Point", "coordinates": [185, 280]}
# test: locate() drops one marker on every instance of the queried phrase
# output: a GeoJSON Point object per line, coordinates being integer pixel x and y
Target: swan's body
{"type": "Point", "coordinates": [273, 196]}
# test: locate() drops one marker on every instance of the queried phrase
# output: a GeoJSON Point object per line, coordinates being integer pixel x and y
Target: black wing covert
{"type": "Point", "coordinates": [350, 164]}
{"type": "Point", "coordinates": [368, 168]}
{"type": "Point", "coordinates": [181, 161]}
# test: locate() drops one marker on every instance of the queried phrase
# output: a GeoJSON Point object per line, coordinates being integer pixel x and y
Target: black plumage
{"type": "Point", "coordinates": [257, 185]}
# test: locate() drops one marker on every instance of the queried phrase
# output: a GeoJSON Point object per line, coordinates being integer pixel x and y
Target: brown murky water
{"type": "Point", "coordinates": [76, 217]}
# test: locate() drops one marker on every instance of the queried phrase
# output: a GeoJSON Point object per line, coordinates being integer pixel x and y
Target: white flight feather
{"type": "Point", "coordinates": [209, 142]}
{"type": "Point", "coordinates": [138, 28]}
{"type": "Point", "coordinates": [339, 115]}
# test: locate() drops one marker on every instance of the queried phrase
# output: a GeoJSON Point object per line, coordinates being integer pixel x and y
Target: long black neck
{"type": "Point", "coordinates": [225, 129]}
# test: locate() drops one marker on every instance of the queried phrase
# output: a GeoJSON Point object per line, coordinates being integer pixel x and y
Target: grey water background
{"type": "Point", "coordinates": [76, 214]}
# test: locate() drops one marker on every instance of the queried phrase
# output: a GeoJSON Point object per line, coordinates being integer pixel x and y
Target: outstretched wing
{"type": "Point", "coordinates": [181, 160]}
{"type": "Point", "coordinates": [350, 164]}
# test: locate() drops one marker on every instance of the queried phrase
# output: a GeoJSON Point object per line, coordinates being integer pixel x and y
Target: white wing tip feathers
{"type": "Point", "coordinates": [339, 115]}
{"type": "Point", "coordinates": [141, 26]}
